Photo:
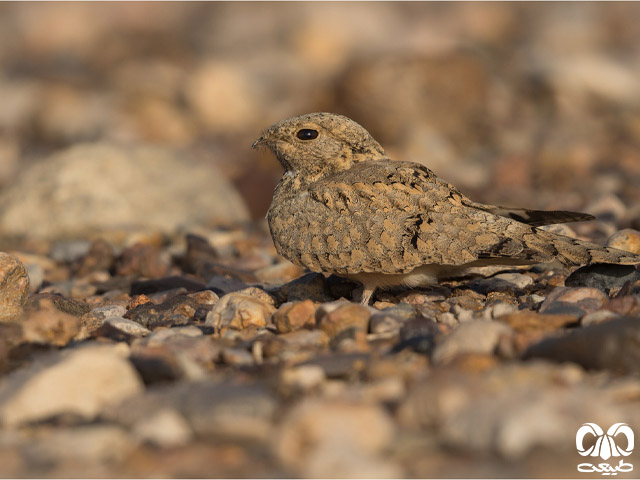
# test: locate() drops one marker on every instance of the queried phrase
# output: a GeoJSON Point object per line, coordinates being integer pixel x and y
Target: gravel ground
{"type": "Point", "coordinates": [149, 329]}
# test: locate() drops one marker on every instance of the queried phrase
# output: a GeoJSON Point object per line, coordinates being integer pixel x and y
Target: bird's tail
{"type": "Point", "coordinates": [571, 251]}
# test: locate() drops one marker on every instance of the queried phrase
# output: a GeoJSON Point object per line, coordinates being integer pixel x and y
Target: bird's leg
{"type": "Point", "coordinates": [367, 293]}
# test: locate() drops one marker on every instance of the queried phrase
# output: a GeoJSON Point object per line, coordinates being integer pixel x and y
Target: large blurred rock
{"type": "Point", "coordinates": [79, 382]}
{"type": "Point", "coordinates": [97, 187]}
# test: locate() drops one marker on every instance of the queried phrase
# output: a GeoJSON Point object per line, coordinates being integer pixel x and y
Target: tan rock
{"type": "Point", "coordinates": [237, 311]}
{"type": "Point", "coordinates": [293, 316]}
{"type": "Point", "coordinates": [627, 239]}
{"type": "Point", "coordinates": [81, 382]}
{"type": "Point", "coordinates": [92, 187]}
{"type": "Point", "coordinates": [14, 287]}
{"type": "Point", "coordinates": [326, 437]}
{"type": "Point", "coordinates": [332, 318]}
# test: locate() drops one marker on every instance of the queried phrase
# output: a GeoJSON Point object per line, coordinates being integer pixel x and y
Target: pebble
{"type": "Point", "coordinates": [527, 321]}
{"type": "Point", "coordinates": [48, 325]}
{"type": "Point", "coordinates": [418, 334]}
{"type": "Point", "coordinates": [178, 309]}
{"type": "Point", "coordinates": [90, 443]}
{"type": "Point", "coordinates": [573, 301]}
{"type": "Point", "coordinates": [302, 378]}
{"type": "Point", "coordinates": [163, 428]}
{"type": "Point", "coordinates": [85, 381]}
{"type": "Point", "coordinates": [293, 316]}
{"type": "Point", "coordinates": [503, 281]}
{"type": "Point", "coordinates": [14, 287]}
{"type": "Point", "coordinates": [312, 286]}
{"type": "Point", "coordinates": [312, 435]}
{"type": "Point", "coordinates": [121, 329]}
{"type": "Point", "coordinates": [335, 317]}
{"type": "Point", "coordinates": [479, 336]}
{"type": "Point", "coordinates": [627, 239]}
{"type": "Point", "coordinates": [597, 317]}
{"type": "Point", "coordinates": [238, 311]}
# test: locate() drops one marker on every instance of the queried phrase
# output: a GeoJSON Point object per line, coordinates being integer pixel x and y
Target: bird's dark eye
{"type": "Point", "coordinates": [307, 134]}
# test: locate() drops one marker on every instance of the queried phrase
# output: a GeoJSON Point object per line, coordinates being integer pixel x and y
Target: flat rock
{"type": "Point", "coordinates": [479, 336]}
{"type": "Point", "coordinates": [573, 301]}
{"type": "Point", "coordinates": [14, 287]}
{"type": "Point", "coordinates": [603, 276]}
{"type": "Point", "coordinates": [81, 382]}
{"type": "Point", "coordinates": [612, 345]}
{"type": "Point", "coordinates": [212, 409]}
{"type": "Point", "coordinates": [91, 187]}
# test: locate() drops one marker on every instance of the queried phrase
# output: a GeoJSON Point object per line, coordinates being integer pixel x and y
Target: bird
{"type": "Point", "coordinates": [344, 207]}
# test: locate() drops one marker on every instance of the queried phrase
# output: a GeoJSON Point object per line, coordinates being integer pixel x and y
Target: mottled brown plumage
{"type": "Point", "coordinates": [344, 207]}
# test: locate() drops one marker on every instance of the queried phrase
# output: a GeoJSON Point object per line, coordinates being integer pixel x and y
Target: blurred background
{"type": "Point", "coordinates": [523, 104]}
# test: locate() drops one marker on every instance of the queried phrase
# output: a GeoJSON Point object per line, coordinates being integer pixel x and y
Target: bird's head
{"type": "Point", "coordinates": [319, 144]}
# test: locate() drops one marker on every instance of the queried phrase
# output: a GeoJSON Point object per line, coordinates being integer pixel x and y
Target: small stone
{"type": "Point", "coordinates": [169, 354]}
{"type": "Point", "coordinates": [221, 410]}
{"type": "Point", "coordinates": [142, 260]}
{"type": "Point", "coordinates": [14, 287]}
{"type": "Point", "coordinates": [237, 356]}
{"type": "Point", "coordinates": [313, 434]}
{"type": "Point", "coordinates": [293, 316]}
{"type": "Point", "coordinates": [478, 337]}
{"type": "Point", "coordinates": [306, 338]}
{"type": "Point", "coordinates": [612, 345]}
{"type": "Point", "coordinates": [80, 382]}
{"type": "Point", "coordinates": [100, 257]}
{"type": "Point", "coordinates": [67, 251]}
{"type": "Point", "coordinates": [302, 378]}
{"type": "Point", "coordinates": [48, 325]}
{"type": "Point", "coordinates": [71, 306]}
{"type": "Point", "coordinates": [598, 317]}
{"type": "Point", "coordinates": [237, 311]}
{"type": "Point", "coordinates": [205, 297]}
{"type": "Point", "coordinates": [164, 284]}
{"type": "Point", "coordinates": [527, 321]}
{"type": "Point", "coordinates": [603, 276]}
{"type": "Point", "coordinates": [333, 318]}
{"type": "Point", "coordinates": [419, 334]}
{"type": "Point", "coordinates": [258, 293]}
{"type": "Point", "coordinates": [121, 329]}
{"type": "Point", "coordinates": [503, 281]}
{"type": "Point", "coordinates": [177, 310]}
{"type": "Point", "coordinates": [164, 428]}
{"type": "Point", "coordinates": [91, 444]}
{"type": "Point", "coordinates": [627, 239]}
{"type": "Point", "coordinates": [573, 301]}
{"type": "Point", "coordinates": [311, 286]}
{"type": "Point", "coordinates": [624, 305]}
{"type": "Point", "coordinates": [279, 273]}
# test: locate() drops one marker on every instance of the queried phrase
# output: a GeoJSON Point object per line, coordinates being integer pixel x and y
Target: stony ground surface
{"type": "Point", "coordinates": [206, 355]}
{"type": "Point", "coordinates": [147, 326]}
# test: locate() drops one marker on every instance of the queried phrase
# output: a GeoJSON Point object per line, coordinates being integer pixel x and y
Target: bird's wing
{"type": "Point", "coordinates": [533, 217]}
{"type": "Point", "coordinates": [391, 217]}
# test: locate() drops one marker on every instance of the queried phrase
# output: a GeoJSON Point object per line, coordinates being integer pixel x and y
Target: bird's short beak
{"type": "Point", "coordinates": [258, 142]}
